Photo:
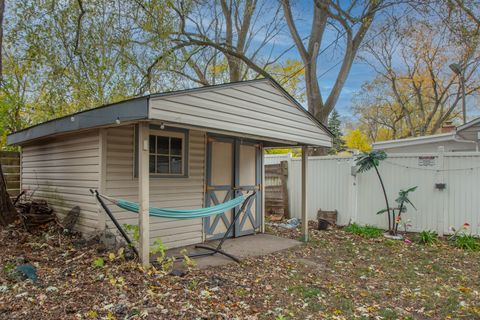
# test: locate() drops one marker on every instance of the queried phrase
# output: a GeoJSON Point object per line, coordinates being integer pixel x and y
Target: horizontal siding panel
{"type": "Point", "coordinates": [221, 119]}
{"type": "Point", "coordinates": [181, 193]}
{"type": "Point", "coordinates": [94, 168]}
{"type": "Point", "coordinates": [70, 162]}
{"type": "Point", "coordinates": [259, 114]}
{"type": "Point", "coordinates": [246, 109]}
{"type": "Point", "coordinates": [236, 98]}
{"type": "Point", "coordinates": [62, 176]}
{"type": "Point", "coordinates": [34, 183]}
{"type": "Point", "coordinates": [63, 142]}
{"type": "Point", "coordinates": [91, 152]}
{"type": "Point", "coordinates": [176, 116]}
{"type": "Point", "coordinates": [61, 171]}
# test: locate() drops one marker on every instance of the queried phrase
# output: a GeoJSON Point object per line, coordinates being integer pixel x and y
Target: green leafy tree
{"type": "Point", "coordinates": [334, 125]}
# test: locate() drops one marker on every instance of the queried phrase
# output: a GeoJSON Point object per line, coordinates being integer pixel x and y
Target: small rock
{"type": "Point", "coordinates": [178, 273]}
{"type": "Point", "coordinates": [3, 289]}
{"type": "Point", "coordinates": [21, 295]}
{"type": "Point", "coordinates": [20, 260]}
{"type": "Point", "coordinates": [215, 281]}
{"type": "Point", "coordinates": [80, 243]}
{"type": "Point", "coordinates": [119, 309]}
{"type": "Point", "coordinates": [51, 289]}
{"type": "Point", "coordinates": [129, 254]}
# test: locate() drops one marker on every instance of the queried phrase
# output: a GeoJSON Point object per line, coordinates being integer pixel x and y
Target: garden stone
{"type": "Point", "coordinates": [51, 289]}
{"type": "Point", "coordinates": [393, 237]}
{"type": "Point", "coordinates": [178, 273]}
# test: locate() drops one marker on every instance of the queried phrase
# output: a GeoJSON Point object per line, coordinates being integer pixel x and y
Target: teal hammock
{"type": "Point", "coordinates": [180, 214]}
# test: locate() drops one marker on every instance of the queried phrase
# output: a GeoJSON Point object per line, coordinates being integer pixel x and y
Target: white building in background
{"type": "Point", "coordinates": [453, 139]}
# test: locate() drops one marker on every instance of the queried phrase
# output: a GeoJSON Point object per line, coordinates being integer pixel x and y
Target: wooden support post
{"type": "Point", "coordinates": [102, 146]}
{"type": "Point", "coordinates": [264, 207]}
{"type": "Point", "coordinates": [304, 194]}
{"type": "Point", "coordinates": [144, 193]}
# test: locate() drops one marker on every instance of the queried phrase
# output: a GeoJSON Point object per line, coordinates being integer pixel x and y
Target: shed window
{"type": "Point", "coordinates": [167, 153]}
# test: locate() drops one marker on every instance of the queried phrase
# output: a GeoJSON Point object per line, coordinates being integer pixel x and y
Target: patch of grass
{"type": "Point", "coordinates": [306, 292]}
{"type": "Point", "coordinates": [427, 237]}
{"type": "Point", "coordinates": [98, 262]}
{"type": "Point", "coordinates": [8, 267]}
{"type": "Point", "coordinates": [364, 231]}
{"type": "Point", "coordinates": [466, 242]}
{"type": "Point", "coordinates": [388, 313]}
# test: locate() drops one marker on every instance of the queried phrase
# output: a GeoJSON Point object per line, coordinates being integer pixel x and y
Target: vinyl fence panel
{"type": "Point", "coordinates": [334, 186]}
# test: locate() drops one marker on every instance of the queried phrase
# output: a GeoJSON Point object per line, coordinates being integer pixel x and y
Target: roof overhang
{"type": "Point", "coordinates": [450, 136]}
{"type": "Point", "coordinates": [133, 109]}
{"type": "Point", "coordinates": [468, 124]}
{"type": "Point", "coordinates": [137, 109]}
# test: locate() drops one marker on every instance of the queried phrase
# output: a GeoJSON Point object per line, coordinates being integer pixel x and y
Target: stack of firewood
{"type": "Point", "coordinates": [35, 213]}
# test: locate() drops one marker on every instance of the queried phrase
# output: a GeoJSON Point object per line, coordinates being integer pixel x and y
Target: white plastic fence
{"type": "Point", "coordinates": [333, 185]}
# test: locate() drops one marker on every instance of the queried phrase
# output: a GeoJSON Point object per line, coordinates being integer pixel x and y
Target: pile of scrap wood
{"type": "Point", "coordinates": [35, 213]}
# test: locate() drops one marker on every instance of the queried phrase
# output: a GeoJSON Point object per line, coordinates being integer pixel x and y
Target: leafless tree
{"type": "Point", "coordinates": [413, 56]}
{"type": "Point", "coordinates": [206, 32]}
{"type": "Point", "coordinates": [352, 20]}
{"type": "Point", "coordinates": [222, 40]}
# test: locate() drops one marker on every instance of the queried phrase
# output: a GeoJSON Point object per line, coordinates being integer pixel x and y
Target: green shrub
{"type": "Point", "coordinates": [466, 242]}
{"type": "Point", "coordinates": [427, 237]}
{"type": "Point", "coordinates": [364, 231]}
{"type": "Point", "coordinates": [98, 262]}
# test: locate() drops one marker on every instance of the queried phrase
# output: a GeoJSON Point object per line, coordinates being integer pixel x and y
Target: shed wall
{"type": "Point", "coordinates": [251, 108]}
{"type": "Point", "coordinates": [180, 193]}
{"type": "Point", "coordinates": [62, 170]}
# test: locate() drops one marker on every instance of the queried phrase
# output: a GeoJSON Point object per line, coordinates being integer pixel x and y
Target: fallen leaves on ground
{"type": "Point", "coordinates": [336, 276]}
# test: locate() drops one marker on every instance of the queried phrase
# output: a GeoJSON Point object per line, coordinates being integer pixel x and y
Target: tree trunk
{"type": "Point", "coordinates": [8, 213]}
{"type": "Point", "coordinates": [386, 198]}
{"type": "Point", "coordinates": [399, 217]}
{"type": "Point", "coordinates": [2, 10]}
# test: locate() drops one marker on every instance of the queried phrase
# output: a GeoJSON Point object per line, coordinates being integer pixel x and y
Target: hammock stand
{"type": "Point", "coordinates": [210, 250]}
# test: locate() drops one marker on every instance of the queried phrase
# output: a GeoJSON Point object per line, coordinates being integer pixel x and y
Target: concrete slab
{"type": "Point", "coordinates": [243, 247]}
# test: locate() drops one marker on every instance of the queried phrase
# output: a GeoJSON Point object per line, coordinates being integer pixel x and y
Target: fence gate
{"type": "Point", "coordinates": [276, 191]}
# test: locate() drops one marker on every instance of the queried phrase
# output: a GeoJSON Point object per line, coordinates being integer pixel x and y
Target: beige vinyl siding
{"type": "Point", "coordinates": [470, 133]}
{"type": "Point", "coordinates": [257, 109]}
{"type": "Point", "coordinates": [62, 170]}
{"type": "Point", "coordinates": [184, 193]}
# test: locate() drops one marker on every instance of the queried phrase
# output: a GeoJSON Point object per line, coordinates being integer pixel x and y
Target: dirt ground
{"type": "Point", "coordinates": [336, 276]}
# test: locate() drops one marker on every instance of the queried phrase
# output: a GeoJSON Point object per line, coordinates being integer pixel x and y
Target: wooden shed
{"type": "Point", "coordinates": [183, 149]}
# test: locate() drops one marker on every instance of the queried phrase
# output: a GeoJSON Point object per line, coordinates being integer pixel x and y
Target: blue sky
{"type": "Point", "coordinates": [360, 72]}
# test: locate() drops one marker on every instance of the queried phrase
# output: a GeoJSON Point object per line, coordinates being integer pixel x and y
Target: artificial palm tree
{"type": "Point", "coordinates": [402, 201]}
{"type": "Point", "coordinates": [365, 162]}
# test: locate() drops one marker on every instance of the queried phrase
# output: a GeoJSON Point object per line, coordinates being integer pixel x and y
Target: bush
{"type": "Point", "coordinates": [364, 231]}
{"type": "Point", "coordinates": [466, 242]}
{"type": "Point", "coordinates": [427, 237]}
